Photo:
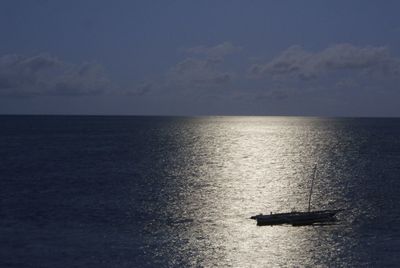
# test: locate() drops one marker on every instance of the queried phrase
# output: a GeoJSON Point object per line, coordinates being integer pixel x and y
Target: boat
{"type": "Point", "coordinates": [299, 218]}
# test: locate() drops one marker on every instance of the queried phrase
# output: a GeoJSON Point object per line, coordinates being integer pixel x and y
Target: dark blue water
{"type": "Point", "coordinates": [82, 191]}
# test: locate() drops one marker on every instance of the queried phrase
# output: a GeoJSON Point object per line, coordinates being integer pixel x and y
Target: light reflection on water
{"type": "Point", "coordinates": [168, 192]}
{"type": "Point", "coordinates": [232, 168]}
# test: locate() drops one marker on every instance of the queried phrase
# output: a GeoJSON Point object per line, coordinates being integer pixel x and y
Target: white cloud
{"type": "Point", "coordinates": [139, 90]}
{"type": "Point", "coordinates": [299, 63]}
{"type": "Point", "coordinates": [198, 72]}
{"type": "Point", "coordinates": [45, 75]}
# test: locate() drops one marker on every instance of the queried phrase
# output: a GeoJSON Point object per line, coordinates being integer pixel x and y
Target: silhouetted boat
{"type": "Point", "coordinates": [297, 218]}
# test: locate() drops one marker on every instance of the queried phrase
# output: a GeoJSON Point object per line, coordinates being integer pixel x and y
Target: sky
{"type": "Point", "coordinates": [300, 58]}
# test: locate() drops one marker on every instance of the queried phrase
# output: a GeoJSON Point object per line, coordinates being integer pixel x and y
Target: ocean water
{"type": "Point", "coordinates": [92, 191]}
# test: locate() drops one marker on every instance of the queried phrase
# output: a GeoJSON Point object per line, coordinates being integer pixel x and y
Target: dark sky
{"type": "Point", "coordinates": [322, 58]}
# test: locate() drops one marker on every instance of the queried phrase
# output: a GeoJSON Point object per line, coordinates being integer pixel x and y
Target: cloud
{"type": "Point", "coordinates": [45, 75]}
{"type": "Point", "coordinates": [139, 90]}
{"type": "Point", "coordinates": [346, 83]}
{"type": "Point", "coordinates": [203, 70]}
{"type": "Point", "coordinates": [217, 51]}
{"type": "Point", "coordinates": [299, 63]}
{"type": "Point", "coordinates": [199, 72]}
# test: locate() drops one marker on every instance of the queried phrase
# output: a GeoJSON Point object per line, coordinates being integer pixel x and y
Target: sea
{"type": "Point", "coordinates": [143, 191]}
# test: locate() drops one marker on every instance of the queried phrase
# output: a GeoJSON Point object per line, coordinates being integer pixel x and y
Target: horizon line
{"type": "Point", "coordinates": [196, 115]}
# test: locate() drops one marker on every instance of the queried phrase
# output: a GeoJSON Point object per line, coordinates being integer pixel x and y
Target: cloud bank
{"type": "Point", "coordinates": [213, 70]}
{"type": "Point", "coordinates": [45, 75]}
{"type": "Point", "coordinates": [295, 72]}
{"type": "Point", "coordinates": [198, 72]}
{"type": "Point", "coordinates": [204, 69]}
{"type": "Point", "coordinates": [296, 62]}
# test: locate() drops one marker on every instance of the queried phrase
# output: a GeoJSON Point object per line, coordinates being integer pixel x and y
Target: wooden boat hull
{"type": "Point", "coordinates": [297, 218]}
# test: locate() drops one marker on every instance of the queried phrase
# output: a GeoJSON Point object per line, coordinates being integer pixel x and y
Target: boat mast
{"type": "Point", "coordinates": [312, 185]}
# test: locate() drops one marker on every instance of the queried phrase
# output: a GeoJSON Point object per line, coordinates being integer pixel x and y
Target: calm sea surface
{"type": "Point", "coordinates": [81, 191]}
